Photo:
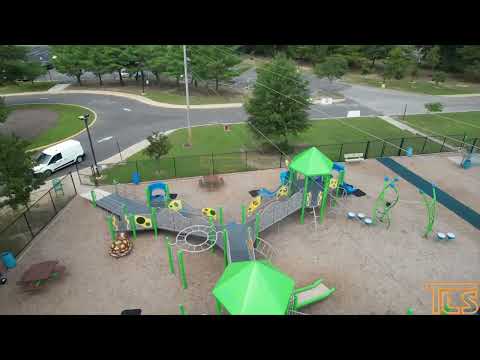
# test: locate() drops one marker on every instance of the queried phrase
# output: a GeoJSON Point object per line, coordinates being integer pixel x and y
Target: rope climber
{"type": "Point", "coordinates": [431, 205]}
{"type": "Point", "coordinates": [383, 207]}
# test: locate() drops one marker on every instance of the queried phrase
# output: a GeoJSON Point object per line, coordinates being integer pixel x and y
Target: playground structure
{"type": "Point", "coordinates": [431, 206]}
{"type": "Point", "coordinates": [385, 202]}
{"type": "Point", "coordinates": [308, 177]}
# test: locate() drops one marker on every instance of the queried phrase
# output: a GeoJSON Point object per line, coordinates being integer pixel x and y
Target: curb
{"type": "Point", "coordinates": [132, 97]}
{"type": "Point", "coordinates": [69, 137]}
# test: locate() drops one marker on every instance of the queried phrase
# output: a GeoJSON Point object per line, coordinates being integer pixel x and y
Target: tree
{"type": "Point", "coordinates": [334, 67]}
{"type": "Point", "coordinates": [4, 111]}
{"type": "Point", "coordinates": [156, 60]}
{"type": "Point", "coordinates": [280, 100]}
{"type": "Point", "coordinates": [214, 62]}
{"type": "Point", "coordinates": [439, 77]}
{"type": "Point", "coordinates": [32, 70]}
{"type": "Point", "coordinates": [98, 61]}
{"type": "Point", "coordinates": [159, 145]}
{"type": "Point", "coordinates": [70, 59]}
{"type": "Point", "coordinates": [17, 180]}
{"type": "Point", "coordinates": [119, 58]}
{"type": "Point", "coordinates": [376, 52]}
{"type": "Point", "coordinates": [434, 107]}
{"type": "Point", "coordinates": [397, 63]}
{"type": "Point", "coordinates": [174, 62]}
{"type": "Point", "coordinates": [432, 58]}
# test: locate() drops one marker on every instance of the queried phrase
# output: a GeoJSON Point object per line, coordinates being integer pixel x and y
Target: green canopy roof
{"type": "Point", "coordinates": [254, 288]}
{"type": "Point", "coordinates": [311, 162]}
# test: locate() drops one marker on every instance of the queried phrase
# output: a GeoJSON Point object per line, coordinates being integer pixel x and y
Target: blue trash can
{"type": "Point", "coordinates": [8, 260]}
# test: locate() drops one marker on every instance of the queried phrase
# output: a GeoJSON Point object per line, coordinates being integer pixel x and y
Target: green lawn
{"type": "Point", "coordinates": [26, 87]}
{"type": "Point", "coordinates": [455, 125]}
{"type": "Point", "coordinates": [215, 150]}
{"type": "Point", "coordinates": [422, 85]}
{"type": "Point", "coordinates": [178, 97]}
{"type": "Point", "coordinates": [67, 125]}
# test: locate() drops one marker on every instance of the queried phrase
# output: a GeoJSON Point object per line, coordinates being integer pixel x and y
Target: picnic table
{"type": "Point", "coordinates": [211, 181]}
{"type": "Point", "coordinates": [39, 274]}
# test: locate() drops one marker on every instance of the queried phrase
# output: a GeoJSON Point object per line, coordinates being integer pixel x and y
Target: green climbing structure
{"type": "Point", "coordinates": [431, 205]}
{"type": "Point", "coordinates": [386, 201]}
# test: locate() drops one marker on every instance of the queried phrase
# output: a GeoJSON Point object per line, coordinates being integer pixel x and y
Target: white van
{"type": "Point", "coordinates": [59, 156]}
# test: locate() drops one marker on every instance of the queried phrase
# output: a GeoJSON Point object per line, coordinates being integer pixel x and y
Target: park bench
{"type": "Point", "coordinates": [353, 157]}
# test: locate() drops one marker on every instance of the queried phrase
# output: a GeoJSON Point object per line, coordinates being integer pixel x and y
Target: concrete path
{"type": "Point", "coordinates": [57, 88]}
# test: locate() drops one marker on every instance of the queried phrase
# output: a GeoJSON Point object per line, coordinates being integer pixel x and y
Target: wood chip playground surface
{"type": "Point", "coordinates": [375, 270]}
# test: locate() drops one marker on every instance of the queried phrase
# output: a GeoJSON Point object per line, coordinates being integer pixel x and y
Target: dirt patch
{"type": "Point", "coordinates": [29, 123]}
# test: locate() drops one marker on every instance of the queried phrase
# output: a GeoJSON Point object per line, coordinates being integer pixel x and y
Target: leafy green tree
{"type": "Point", "coordinates": [32, 70]}
{"type": "Point", "coordinates": [280, 100]}
{"type": "Point", "coordinates": [174, 62]}
{"type": "Point", "coordinates": [434, 107]}
{"type": "Point", "coordinates": [376, 52]}
{"type": "Point", "coordinates": [119, 58]}
{"type": "Point", "coordinates": [214, 62]}
{"type": "Point", "coordinates": [432, 58]}
{"type": "Point", "coordinates": [439, 77]}
{"type": "Point", "coordinates": [334, 67]}
{"type": "Point", "coordinates": [70, 59]}
{"type": "Point", "coordinates": [156, 60]}
{"type": "Point", "coordinates": [397, 63]}
{"type": "Point", "coordinates": [98, 61]}
{"type": "Point", "coordinates": [17, 180]}
{"type": "Point", "coordinates": [159, 145]}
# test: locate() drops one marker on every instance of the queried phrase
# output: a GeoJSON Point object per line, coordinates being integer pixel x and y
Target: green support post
{"type": "Point", "coordinates": [211, 231]}
{"type": "Point", "coordinates": [218, 307]}
{"type": "Point", "coordinates": [133, 226]}
{"type": "Point", "coordinates": [153, 212]}
{"type": "Point", "coordinates": [111, 230]}
{"type": "Point", "coordinates": [220, 216]}
{"type": "Point", "coordinates": [147, 197]}
{"type": "Point", "coordinates": [304, 201]}
{"type": "Point", "coordinates": [225, 247]}
{"type": "Point", "coordinates": [409, 311]}
{"type": "Point", "coordinates": [326, 187]}
{"type": "Point", "coordinates": [431, 205]}
{"type": "Point", "coordinates": [94, 198]}
{"type": "Point", "coordinates": [244, 214]}
{"type": "Point", "coordinates": [124, 212]}
{"type": "Point", "coordinates": [170, 255]}
{"type": "Point", "coordinates": [182, 310]}
{"type": "Point", "coordinates": [291, 176]}
{"type": "Point", "coordinates": [181, 268]}
{"type": "Point", "coordinates": [341, 176]}
{"type": "Point", "coordinates": [257, 227]}
{"type": "Point", "coordinates": [167, 193]}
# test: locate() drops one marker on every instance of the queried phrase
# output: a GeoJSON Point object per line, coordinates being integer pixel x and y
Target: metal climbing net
{"type": "Point", "coordinates": [208, 232]}
{"type": "Point", "coordinates": [431, 205]}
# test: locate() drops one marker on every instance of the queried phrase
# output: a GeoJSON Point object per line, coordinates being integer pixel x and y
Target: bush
{"type": "Point", "coordinates": [434, 107]}
{"type": "Point", "coordinates": [439, 77]}
{"type": "Point", "coordinates": [4, 111]}
{"type": "Point", "coordinates": [159, 145]}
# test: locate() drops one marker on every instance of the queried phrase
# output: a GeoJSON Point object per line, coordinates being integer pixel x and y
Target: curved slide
{"type": "Point", "coordinates": [311, 294]}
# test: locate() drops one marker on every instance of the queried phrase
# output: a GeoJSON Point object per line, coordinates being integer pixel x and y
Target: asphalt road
{"type": "Point", "coordinates": [139, 120]}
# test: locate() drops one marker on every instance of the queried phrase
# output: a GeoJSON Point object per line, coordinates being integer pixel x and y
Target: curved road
{"type": "Point", "coordinates": [139, 120]}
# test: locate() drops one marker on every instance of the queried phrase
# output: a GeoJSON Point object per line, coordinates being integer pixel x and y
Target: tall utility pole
{"type": "Point", "coordinates": [189, 142]}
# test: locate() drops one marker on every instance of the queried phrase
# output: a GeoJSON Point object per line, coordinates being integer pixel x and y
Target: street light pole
{"type": "Point", "coordinates": [119, 151]}
{"type": "Point", "coordinates": [189, 142]}
{"type": "Point", "coordinates": [85, 120]}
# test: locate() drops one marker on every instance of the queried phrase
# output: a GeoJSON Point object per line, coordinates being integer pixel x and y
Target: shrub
{"type": "Point", "coordinates": [159, 145]}
{"type": "Point", "coordinates": [4, 111]}
{"type": "Point", "coordinates": [439, 77]}
{"type": "Point", "coordinates": [434, 107]}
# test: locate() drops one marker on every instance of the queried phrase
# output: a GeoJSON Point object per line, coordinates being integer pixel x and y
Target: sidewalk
{"type": "Point", "coordinates": [140, 98]}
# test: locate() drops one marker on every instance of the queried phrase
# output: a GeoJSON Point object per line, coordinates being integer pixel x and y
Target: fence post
{"type": "Point", "coordinates": [53, 203]}
{"type": "Point", "coordinates": [424, 143]}
{"type": "Point", "coordinates": [94, 174]}
{"type": "Point", "coordinates": [213, 165]}
{"type": "Point", "coordinates": [28, 224]}
{"type": "Point", "coordinates": [73, 183]}
{"type": "Point", "coordinates": [246, 160]}
{"type": "Point", "coordinates": [136, 166]}
{"type": "Point", "coordinates": [340, 154]}
{"type": "Point", "coordinates": [383, 149]}
{"type": "Point", "coordinates": [444, 138]}
{"type": "Point", "coordinates": [464, 137]}
{"type": "Point", "coordinates": [366, 149]}
{"type": "Point", "coordinates": [473, 145]}
{"type": "Point", "coordinates": [133, 226]}
{"type": "Point", "coordinates": [94, 198]}
{"type": "Point", "coordinates": [174, 168]}
{"type": "Point", "coordinates": [401, 146]}
{"type": "Point", "coordinates": [281, 157]}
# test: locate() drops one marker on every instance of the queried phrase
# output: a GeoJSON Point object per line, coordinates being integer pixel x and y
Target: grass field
{"type": "Point", "coordinates": [217, 151]}
{"type": "Point", "coordinates": [167, 92]}
{"type": "Point", "coordinates": [421, 85]}
{"type": "Point", "coordinates": [455, 125]}
{"type": "Point", "coordinates": [20, 87]}
{"type": "Point", "coordinates": [67, 125]}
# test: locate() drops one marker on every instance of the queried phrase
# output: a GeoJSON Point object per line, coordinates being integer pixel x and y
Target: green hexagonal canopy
{"type": "Point", "coordinates": [254, 288]}
{"type": "Point", "coordinates": [311, 162]}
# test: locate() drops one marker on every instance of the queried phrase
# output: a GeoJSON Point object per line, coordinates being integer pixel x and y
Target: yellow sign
{"type": "Point", "coordinates": [458, 297]}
